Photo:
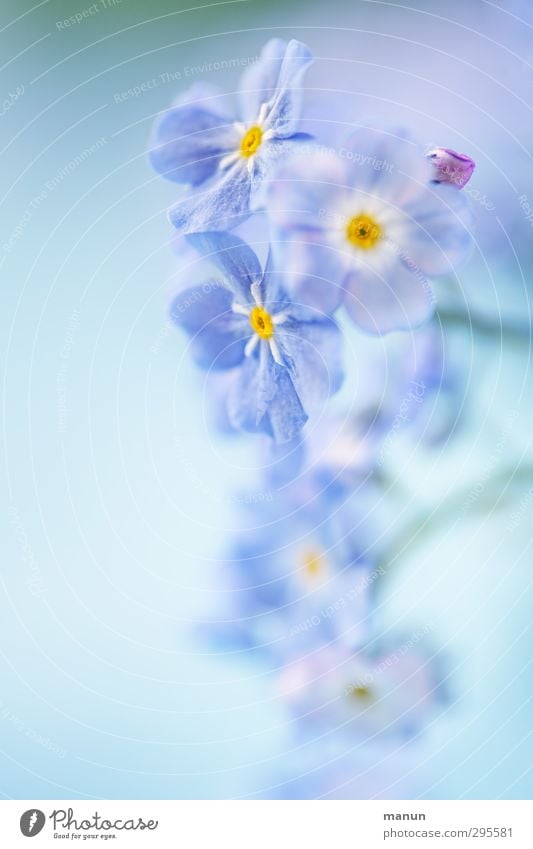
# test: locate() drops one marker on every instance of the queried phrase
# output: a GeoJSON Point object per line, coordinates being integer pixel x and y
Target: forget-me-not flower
{"type": "Point", "coordinates": [390, 693]}
{"type": "Point", "coordinates": [286, 359]}
{"type": "Point", "coordinates": [364, 226]}
{"type": "Point", "coordinates": [225, 157]}
{"type": "Point", "coordinates": [288, 583]}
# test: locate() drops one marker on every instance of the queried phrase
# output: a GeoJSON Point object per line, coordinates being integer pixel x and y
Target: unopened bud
{"type": "Point", "coordinates": [451, 167]}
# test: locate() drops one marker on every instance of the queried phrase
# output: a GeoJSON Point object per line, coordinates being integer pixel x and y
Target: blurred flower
{"type": "Point", "coordinates": [451, 167]}
{"type": "Point", "coordinates": [364, 227]}
{"type": "Point", "coordinates": [339, 450]}
{"type": "Point", "coordinates": [410, 386]}
{"type": "Point", "coordinates": [414, 387]}
{"type": "Point", "coordinates": [295, 578]}
{"type": "Point", "coordinates": [355, 693]}
{"type": "Point", "coordinates": [297, 601]}
{"type": "Point", "coordinates": [200, 144]}
{"type": "Point", "coordinates": [285, 359]}
{"type": "Point", "coordinates": [300, 573]}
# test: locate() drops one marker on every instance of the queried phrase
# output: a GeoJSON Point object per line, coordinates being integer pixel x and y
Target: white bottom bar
{"type": "Point", "coordinates": [268, 824]}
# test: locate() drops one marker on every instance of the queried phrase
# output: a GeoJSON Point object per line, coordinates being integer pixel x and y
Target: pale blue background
{"type": "Point", "coordinates": [108, 523]}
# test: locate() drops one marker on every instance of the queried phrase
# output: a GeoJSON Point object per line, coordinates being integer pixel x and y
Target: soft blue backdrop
{"type": "Point", "coordinates": [114, 491]}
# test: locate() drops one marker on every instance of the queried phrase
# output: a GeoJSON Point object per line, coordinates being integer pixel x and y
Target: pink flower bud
{"type": "Point", "coordinates": [451, 167]}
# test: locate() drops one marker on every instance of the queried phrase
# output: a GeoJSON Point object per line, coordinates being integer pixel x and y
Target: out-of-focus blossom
{"type": "Point", "coordinates": [339, 450]}
{"type": "Point", "coordinates": [297, 602]}
{"type": "Point", "coordinates": [226, 156]}
{"type": "Point", "coordinates": [410, 387]}
{"type": "Point", "coordinates": [452, 168]}
{"type": "Point", "coordinates": [300, 571]}
{"type": "Point", "coordinates": [354, 693]}
{"type": "Point", "coordinates": [365, 227]}
{"type": "Point", "coordinates": [413, 387]}
{"type": "Point", "coordinates": [286, 359]}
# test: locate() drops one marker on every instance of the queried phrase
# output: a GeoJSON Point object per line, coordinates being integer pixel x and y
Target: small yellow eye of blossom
{"type": "Point", "coordinates": [251, 141]}
{"type": "Point", "coordinates": [262, 323]}
{"type": "Point", "coordinates": [313, 563]}
{"type": "Point", "coordinates": [362, 231]}
{"type": "Point", "coordinates": [360, 693]}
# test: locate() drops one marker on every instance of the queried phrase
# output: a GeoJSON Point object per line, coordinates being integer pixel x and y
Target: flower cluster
{"type": "Point", "coordinates": [343, 236]}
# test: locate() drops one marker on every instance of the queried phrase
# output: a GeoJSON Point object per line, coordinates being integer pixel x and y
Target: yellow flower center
{"type": "Point", "coordinates": [262, 323]}
{"type": "Point", "coordinates": [313, 563]}
{"type": "Point", "coordinates": [251, 141]}
{"type": "Point", "coordinates": [361, 693]}
{"type": "Point", "coordinates": [362, 231]}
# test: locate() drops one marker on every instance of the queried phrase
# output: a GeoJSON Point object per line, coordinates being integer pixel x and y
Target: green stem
{"type": "Point", "coordinates": [516, 332]}
{"type": "Point", "coordinates": [497, 493]}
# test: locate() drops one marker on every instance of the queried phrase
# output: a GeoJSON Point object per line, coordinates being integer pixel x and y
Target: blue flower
{"type": "Point", "coordinates": [226, 156]}
{"type": "Point", "coordinates": [285, 359]}
{"type": "Point", "coordinates": [289, 584]}
{"type": "Point", "coordinates": [346, 693]}
{"type": "Point", "coordinates": [317, 610]}
{"type": "Point", "coordinates": [364, 227]}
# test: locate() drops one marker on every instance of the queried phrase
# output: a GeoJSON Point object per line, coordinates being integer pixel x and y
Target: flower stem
{"type": "Point", "coordinates": [497, 494]}
{"type": "Point", "coordinates": [518, 332]}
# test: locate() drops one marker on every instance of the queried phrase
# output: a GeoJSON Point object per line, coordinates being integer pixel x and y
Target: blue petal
{"type": "Point", "coordinates": [256, 574]}
{"type": "Point", "coordinates": [438, 236]}
{"type": "Point", "coordinates": [189, 141]}
{"type": "Point", "coordinates": [308, 190]}
{"type": "Point", "coordinates": [218, 335]}
{"type": "Point", "coordinates": [221, 205]}
{"type": "Point", "coordinates": [284, 462]}
{"type": "Point", "coordinates": [273, 79]}
{"type": "Point", "coordinates": [267, 162]}
{"type": "Point", "coordinates": [286, 102]}
{"type": "Point", "coordinates": [314, 350]}
{"type": "Point", "coordinates": [252, 393]}
{"type": "Point", "coordinates": [258, 82]}
{"type": "Point", "coordinates": [313, 271]}
{"type": "Point", "coordinates": [287, 415]}
{"type": "Point", "coordinates": [235, 259]}
{"type": "Point", "coordinates": [386, 163]}
{"type": "Point", "coordinates": [400, 301]}
{"type": "Point", "coordinates": [264, 400]}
